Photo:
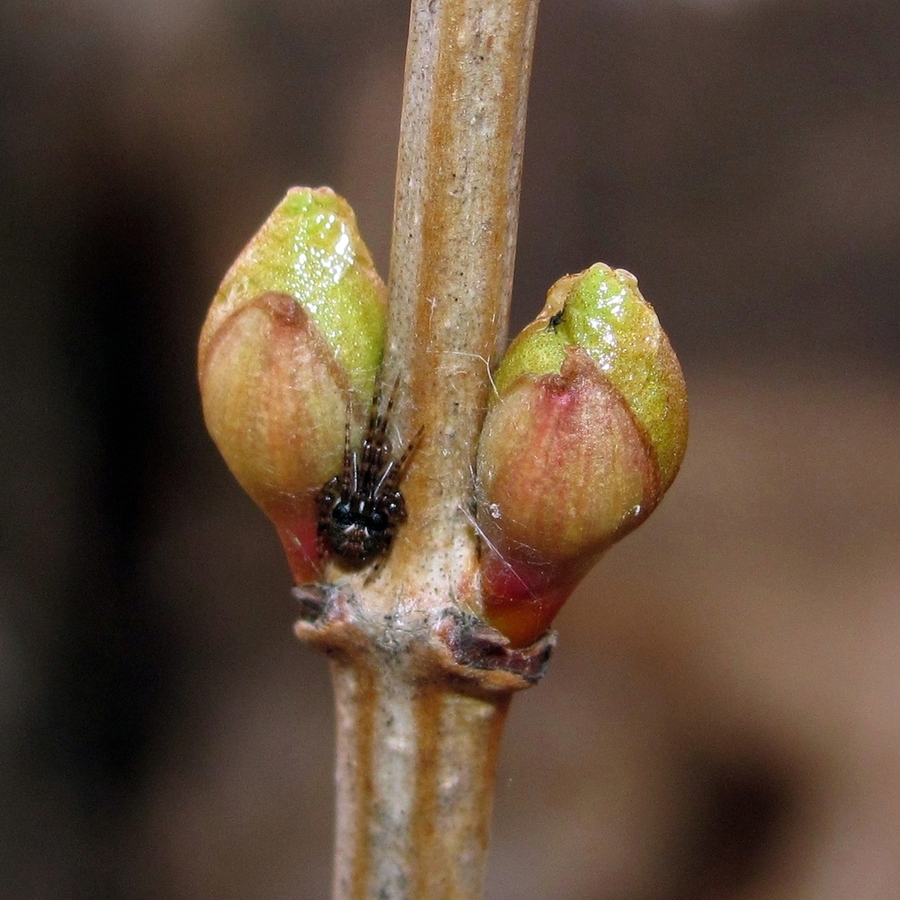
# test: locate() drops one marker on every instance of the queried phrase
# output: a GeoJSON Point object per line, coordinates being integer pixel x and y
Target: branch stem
{"type": "Point", "coordinates": [415, 781]}
{"type": "Point", "coordinates": [455, 218]}
{"type": "Point", "coordinates": [420, 714]}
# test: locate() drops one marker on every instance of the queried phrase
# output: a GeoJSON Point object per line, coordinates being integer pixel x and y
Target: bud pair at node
{"type": "Point", "coordinates": [585, 432]}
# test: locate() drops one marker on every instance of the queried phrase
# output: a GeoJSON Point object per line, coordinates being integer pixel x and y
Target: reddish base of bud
{"type": "Point", "coordinates": [296, 528]}
{"type": "Point", "coordinates": [522, 623]}
{"type": "Point", "coordinates": [522, 600]}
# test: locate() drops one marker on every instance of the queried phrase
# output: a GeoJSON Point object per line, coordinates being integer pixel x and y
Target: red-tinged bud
{"type": "Point", "coordinates": [586, 433]}
{"type": "Point", "coordinates": [294, 335]}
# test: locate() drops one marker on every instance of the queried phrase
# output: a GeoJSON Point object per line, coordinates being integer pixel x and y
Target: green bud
{"type": "Point", "coordinates": [310, 249]}
{"type": "Point", "coordinates": [586, 432]}
{"type": "Point", "coordinates": [602, 312]}
{"type": "Point", "coordinates": [293, 337]}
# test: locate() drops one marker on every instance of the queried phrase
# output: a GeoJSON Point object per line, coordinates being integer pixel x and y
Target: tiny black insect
{"type": "Point", "coordinates": [555, 319]}
{"type": "Point", "coordinates": [360, 508]}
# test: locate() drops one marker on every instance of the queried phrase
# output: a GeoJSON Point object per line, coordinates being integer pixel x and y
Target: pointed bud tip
{"type": "Point", "coordinates": [310, 248]}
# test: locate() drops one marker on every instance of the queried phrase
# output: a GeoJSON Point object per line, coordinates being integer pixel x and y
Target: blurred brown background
{"type": "Point", "coordinates": [722, 717]}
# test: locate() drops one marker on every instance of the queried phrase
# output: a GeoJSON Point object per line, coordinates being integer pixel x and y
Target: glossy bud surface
{"type": "Point", "coordinates": [293, 337]}
{"type": "Point", "coordinates": [586, 432]}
